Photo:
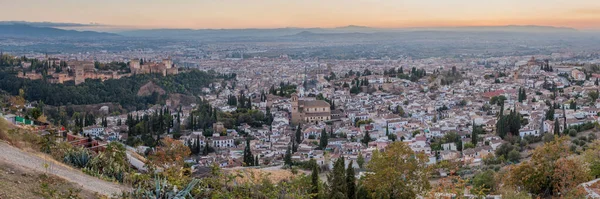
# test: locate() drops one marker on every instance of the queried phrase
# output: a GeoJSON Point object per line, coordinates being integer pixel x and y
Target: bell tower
{"type": "Point", "coordinates": [296, 117]}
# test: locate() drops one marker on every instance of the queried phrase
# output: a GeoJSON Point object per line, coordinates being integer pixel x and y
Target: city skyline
{"type": "Point", "coordinates": [233, 14]}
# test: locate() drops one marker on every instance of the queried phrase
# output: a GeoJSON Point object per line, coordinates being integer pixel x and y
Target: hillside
{"type": "Point", "coordinates": [19, 182]}
{"type": "Point", "coordinates": [149, 88]}
{"type": "Point", "coordinates": [123, 91]}
{"type": "Point", "coordinates": [35, 164]}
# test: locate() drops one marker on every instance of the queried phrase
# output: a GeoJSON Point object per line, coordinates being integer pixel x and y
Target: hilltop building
{"type": "Point", "coordinates": [166, 67]}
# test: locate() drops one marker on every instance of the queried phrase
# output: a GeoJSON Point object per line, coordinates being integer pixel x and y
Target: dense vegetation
{"type": "Point", "coordinates": [148, 129]}
{"type": "Point", "coordinates": [122, 91]}
{"type": "Point", "coordinates": [284, 90]}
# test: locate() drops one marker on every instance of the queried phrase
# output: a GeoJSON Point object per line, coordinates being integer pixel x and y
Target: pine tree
{"type": "Point", "coordinates": [350, 182]}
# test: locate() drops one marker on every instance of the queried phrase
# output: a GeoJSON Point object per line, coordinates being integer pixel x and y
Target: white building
{"type": "Point", "coordinates": [223, 142]}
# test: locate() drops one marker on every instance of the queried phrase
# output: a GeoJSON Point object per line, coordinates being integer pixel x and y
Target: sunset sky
{"type": "Point", "coordinates": [198, 14]}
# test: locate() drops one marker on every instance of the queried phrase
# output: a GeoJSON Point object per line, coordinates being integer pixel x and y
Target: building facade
{"type": "Point", "coordinates": [304, 111]}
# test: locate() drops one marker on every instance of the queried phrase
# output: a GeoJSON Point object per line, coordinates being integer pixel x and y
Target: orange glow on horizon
{"type": "Point", "coordinates": [201, 14]}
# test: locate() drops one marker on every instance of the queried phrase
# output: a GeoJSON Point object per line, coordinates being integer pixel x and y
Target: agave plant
{"type": "Point", "coordinates": [163, 190]}
{"type": "Point", "coordinates": [78, 157]}
{"type": "Point", "coordinates": [111, 163]}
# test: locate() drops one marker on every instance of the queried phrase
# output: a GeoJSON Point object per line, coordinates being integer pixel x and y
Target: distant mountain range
{"type": "Point", "coordinates": [23, 30]}
{"type": "Point", "coordinates": [52, 29]}
{"type": "Point", "coordinates": [46, 24]}
{"type": "Point", "coordinates": [230, 33]}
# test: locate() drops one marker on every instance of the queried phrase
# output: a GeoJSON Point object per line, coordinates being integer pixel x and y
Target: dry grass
{"type": "Point", "coordinates": [22, 137]}
{"type": "Point", "coordinates": [257, 175]}
{"type": "Point", "coordinates": [16, 182]}
{"type": "Point", "coordinates": [4, 126]}
{"type": "Point", "coordinates": [138, 156]}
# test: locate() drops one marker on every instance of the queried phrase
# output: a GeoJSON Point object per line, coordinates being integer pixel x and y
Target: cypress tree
{"type": "Point", "coordinates": [387, 129]}
{"type": "Point", "coordinates": [337, 180]}
{"type": "Point", "coordinates": [550, 113]}
{"type": "Point", "coordinates": [294, 147]}
{"type": "Point", "coordinates": [191, 124]}
{"type": "Point", "coordinates": [564, 119]}
{"type": "Point", "coordinates": [299, 134]}
{"type": "Point", "coordinates": [197, 150]}
{"type": "Point", "coordinates": [288, 157]}
{"type": "Point", "coordinates": [248, 157]}
{"type": "Point", "coordinates": [556, 127]}
{"type": "Point", "coordinates": [315, 181]}
{"type": "Point", "coordinates": [367, 138]}
{"type": "Point", "coordinates": [323, 140]}
{"type": "Point", "coordinates": [500, 127]}
{"type": "Point", "coordinates": [474, 134]}
{"type": "Point", "coordinates": [350, 182]}
{"type": "Point", "coordinates": [501, 110]}
{"type": "Point", "coordinates": [206, 148]}
{"type": "Point", "coordinates": [332, 105]}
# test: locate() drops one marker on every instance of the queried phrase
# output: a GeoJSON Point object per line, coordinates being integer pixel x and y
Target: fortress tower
{"type": "Point", "coordinates": [168, 63]}
{"type": "Point", "coordinates": [134, 64]}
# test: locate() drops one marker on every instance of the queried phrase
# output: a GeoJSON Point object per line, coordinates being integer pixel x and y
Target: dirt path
{"type": "Point", "coordinates": [14, 156]}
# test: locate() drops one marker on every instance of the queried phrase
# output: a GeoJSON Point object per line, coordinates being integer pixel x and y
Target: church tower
{"type": "Point", "coordinates": [296, 117]}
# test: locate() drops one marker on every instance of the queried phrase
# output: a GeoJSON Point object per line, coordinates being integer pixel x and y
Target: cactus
{"type": "Point", "coordinates": [162, 190]}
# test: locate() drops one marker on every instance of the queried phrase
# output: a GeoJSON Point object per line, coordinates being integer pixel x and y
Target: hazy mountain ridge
{"type": "Point", "coordinates": [22, 30]}
{"type": "Point", "coordinates": [224, 33]}
{"type": "Point", "coordinates": [46, 24]}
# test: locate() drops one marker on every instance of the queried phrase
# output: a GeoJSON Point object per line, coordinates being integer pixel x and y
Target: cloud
{"type": "Point", "coordinates": [586, 11]}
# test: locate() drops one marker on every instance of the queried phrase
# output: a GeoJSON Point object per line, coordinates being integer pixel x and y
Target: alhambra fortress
{"type": "Point", "coordinates": [79, 71]}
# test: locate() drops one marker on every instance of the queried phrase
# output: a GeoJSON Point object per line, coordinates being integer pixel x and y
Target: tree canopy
{"type": "Point", "coordinates": [397, 172]}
